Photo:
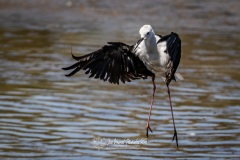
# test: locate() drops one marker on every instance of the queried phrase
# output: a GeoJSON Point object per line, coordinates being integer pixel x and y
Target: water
{"type": "Point", "coordinates": [46, 115]}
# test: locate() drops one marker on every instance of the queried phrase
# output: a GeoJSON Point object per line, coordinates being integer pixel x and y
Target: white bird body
{"type": "Point", "coordinates": [146, 49]}
{"type": "Point", "coordinates": [151, 49]}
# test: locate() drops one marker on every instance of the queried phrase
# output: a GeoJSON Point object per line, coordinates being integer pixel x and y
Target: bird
{"type": "Point", "coordinates": [168, 51]}
{"type": "Point", "coordinates": [117, 61]}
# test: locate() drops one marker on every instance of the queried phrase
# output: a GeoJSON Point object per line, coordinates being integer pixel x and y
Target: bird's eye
{"type": "Point", "coordinates": [148, 33]}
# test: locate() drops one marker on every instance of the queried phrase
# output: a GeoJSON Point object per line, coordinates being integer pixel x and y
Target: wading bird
{"type": "Point", "coordinates": [168, 51]}
{"type": "Point", "coordinates": [118, 61]}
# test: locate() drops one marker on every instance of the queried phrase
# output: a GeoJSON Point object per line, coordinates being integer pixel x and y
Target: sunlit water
{"type": "Point", "coordinates": [45, 115]}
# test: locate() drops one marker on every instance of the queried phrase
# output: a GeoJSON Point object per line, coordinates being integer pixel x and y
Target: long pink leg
{"type": "Point", "coordinates": [149, 115]}
{"type": "Point", "coordinates": [175, 131]}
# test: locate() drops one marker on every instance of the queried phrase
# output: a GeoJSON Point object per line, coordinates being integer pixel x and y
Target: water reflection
{"type": "Point", "coordinates": [46, 115]}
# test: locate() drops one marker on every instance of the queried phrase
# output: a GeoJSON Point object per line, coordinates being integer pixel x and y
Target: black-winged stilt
{"type": "Point", "coordinates": [118, 61]}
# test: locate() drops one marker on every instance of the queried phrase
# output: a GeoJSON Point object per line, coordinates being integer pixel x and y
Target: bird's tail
{"type": "Point", "coordinates": [177, 76]}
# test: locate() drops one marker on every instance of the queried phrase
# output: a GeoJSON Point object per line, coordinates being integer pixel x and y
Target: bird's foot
{"type": "Point", "coordinates": [175, 136]}
{"type": "Point", "coordinates": [148, 128]}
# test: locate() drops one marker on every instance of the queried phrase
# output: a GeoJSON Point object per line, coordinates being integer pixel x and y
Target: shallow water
{"type": "Point", "coordinates": [46, 115]}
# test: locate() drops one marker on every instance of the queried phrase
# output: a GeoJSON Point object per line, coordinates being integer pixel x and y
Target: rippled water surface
{"type": "Point", "coordinates": [45, 115]}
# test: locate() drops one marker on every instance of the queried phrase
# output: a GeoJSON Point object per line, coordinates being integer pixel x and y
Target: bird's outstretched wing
{"type": "Point", "coordinates": [113, 62]}
{"type": "Point", "coordinates": [173, 43]}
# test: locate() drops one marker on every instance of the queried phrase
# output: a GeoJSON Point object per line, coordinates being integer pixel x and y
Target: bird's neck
{"type": "Point", "coordinates": [151, 45]}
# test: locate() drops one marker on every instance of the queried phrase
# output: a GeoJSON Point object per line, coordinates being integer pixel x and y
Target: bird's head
{"type": "Point", "coordinates": [146, 32]}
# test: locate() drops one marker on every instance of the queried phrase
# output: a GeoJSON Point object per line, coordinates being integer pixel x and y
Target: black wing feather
{"type": "Point", "coordinates": [174, 50]}
{"type": "Point", "coordinates": [113, 62]}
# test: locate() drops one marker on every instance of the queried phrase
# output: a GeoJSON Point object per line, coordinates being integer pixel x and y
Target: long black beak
{"type": "Point", "coordinates": [139, 41]}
